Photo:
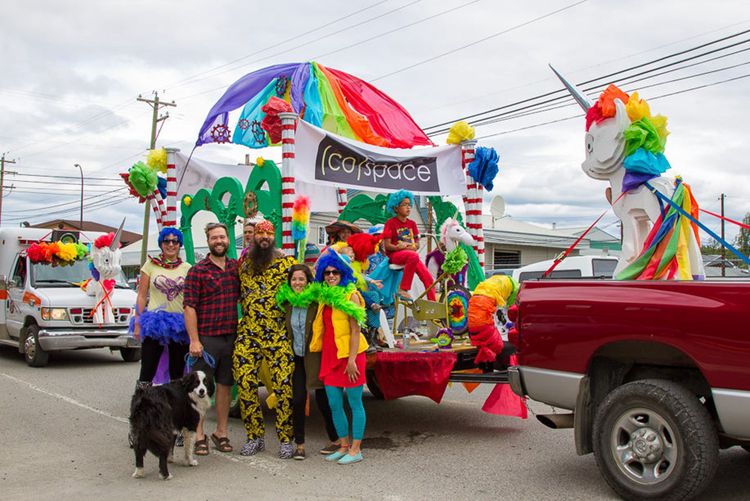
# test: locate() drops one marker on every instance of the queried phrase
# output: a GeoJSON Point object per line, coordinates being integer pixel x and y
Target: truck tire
{"type": "Point", "coordinates": [653, 439]}
{"type": "Point", "coordinates": [372, 385]}
{"type": "Point", "coordinates": [33, 353]}
{"type": "Point", "coordinates": [130, 354]}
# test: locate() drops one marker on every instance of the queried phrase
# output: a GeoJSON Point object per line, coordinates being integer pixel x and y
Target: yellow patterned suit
{"type": "Point", "coordinates": [262, 335]}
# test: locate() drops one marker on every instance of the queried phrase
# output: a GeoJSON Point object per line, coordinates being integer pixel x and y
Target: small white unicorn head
{"type": "Point", "coordinates": [605, 145]}
{"type": "Point", "coordinates": [452, 233]}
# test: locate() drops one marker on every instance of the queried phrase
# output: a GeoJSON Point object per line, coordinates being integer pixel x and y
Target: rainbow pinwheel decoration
{"type": "Point", "coordinates": [328, 98]}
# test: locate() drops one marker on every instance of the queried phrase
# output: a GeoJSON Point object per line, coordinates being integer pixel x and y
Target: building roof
{"type": "Point", "coordinates": [74, 224]}
{"type": "Point", "coordinates": [508, 231]}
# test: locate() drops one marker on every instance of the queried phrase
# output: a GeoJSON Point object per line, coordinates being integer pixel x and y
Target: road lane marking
{"type": "Point", "coordinates": [65, 399]}
{"type": "Point", "coordinates": [253, 462]}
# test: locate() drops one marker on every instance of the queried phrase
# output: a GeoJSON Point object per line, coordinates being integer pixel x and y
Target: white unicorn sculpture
{"type": "Point", "coordinates": [638, 208]}
{"type": "Point", "coordinates": [451, 235]}
{"type": "Point", "coordinates": [106, 260]}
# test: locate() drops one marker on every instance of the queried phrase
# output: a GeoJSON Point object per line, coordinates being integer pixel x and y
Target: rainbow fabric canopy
{"type": "Point", "coordinates": [331, 99]}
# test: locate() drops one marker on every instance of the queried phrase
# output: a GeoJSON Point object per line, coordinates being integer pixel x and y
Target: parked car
{"type": "Point", "coordinates": [44, 308]}
{"type": "Point", "coordinates": [655, 373]}
{"type": "Point", "coordinates": [570, 267]}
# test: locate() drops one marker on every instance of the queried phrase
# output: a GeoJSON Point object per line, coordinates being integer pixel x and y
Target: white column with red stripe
{"type": "Point", "coordinates": [155, 206]}
{"type": "Point", "coordinates": [288, 126]}
{"type": "Point", "coordinates": [473, 201]}
{"type": "Point", "coordinates": [171, 217]}
{"type": "Point", "coordinates": [342, 198]}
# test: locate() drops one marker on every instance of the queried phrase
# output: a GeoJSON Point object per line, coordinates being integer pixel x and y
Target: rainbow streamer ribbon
{"type": "Point", "coordinates": [300, 223]}
{"type": "Point", "coordinates": [670, 251]}
{"type": "Point", "coordinates": [328, 98]}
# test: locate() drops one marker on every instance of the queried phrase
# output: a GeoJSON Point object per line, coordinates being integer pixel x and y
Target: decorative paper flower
{"type": "Point", "coordinates": [607, 100]}
{"type": "Point", "coordinates": [459, 132]}
{"type": "Point", "coordinates": [484, 167]}
{"type": "Point", "coordinates": [157, 160]}
{"type": "Point", "coordinates": [142, 178]}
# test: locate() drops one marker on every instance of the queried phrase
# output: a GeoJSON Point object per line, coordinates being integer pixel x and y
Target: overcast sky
{"type": "Point", "coordinates": [72, 71]}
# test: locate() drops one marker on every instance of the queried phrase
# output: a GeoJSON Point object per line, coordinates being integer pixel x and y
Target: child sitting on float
{"type": "Point", "coordinates": [401, 241]}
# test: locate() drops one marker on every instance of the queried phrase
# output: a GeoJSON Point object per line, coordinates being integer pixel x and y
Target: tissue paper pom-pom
{"type": "Point", "coordinates": [271, 123]}
{"type": "Point", "coordinates": [104, 240]}
{"type": "Point", "coordinates": [642, 134]}
{"type": "Point", "coordinates": [660, 123]}
{"type": "Point", "coordinates": [54, 248]}
{"type": "Point", "coordinates": [187, 200]}
{"type": "Point", "coordinates": [67, 252]}
{"type": "Point", "coordinates": [455, 261]}
{"type": "Point", "coordinates": [260, 161]}
{"type": "Point", "coordinates": [594, 115]}
{"type": "Point", "coordinates": [81, 250]}
{"type": "Point", "coordinates": [142, 178]}
{"type": "Point", "coordinates": [645, 162]}
{"type": "Point", "coordinates": [39, 253]}
{"type": "Point", "coordinates": [637, 108]}
{"type": "Point", "coordinates": [157, 160]}
{"type": "Point", "coordinates": [460, 131]}
{"type": "Point", "coordinates": [607, 100]}
{"type": "Point", "coordinates": [484, 167]}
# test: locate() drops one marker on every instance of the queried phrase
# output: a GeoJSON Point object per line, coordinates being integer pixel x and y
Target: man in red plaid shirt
{"type": "Point", "coordinates": [212, 289]}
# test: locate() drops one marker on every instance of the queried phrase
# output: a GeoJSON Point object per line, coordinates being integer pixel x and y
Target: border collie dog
{"type": "Point", "coordinates": [159, 413]}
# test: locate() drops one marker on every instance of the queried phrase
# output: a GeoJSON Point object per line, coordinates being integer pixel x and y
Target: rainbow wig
{"type": "Point", "coordinates": [332, 259]}
{"type": "Point", "coordinates": [167, 231]}
{"type": "Point", "coordinates": [396, 198]}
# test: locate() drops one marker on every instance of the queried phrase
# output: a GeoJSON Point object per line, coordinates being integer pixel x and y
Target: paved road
{"type": "Point", "coordinates": [63, 432]}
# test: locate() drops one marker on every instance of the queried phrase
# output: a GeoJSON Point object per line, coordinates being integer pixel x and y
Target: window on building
{"type": "Point", "coordinates": [505, 259]}
{"type": "Point", "coordinates": [322, 236]}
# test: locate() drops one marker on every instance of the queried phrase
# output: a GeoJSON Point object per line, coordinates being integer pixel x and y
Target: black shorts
{"type": "Point", "coordinates": [220, 348]}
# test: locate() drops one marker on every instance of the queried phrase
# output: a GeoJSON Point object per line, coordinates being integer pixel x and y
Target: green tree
{"type": "Point", "coordinates": [710, 247]}
{"type": "Point", "coordinates": [742, 242]}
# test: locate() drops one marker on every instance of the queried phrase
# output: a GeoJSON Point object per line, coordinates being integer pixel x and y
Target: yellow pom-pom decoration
{"type": "Point", "coordinates": [187, 200]}
{"type": "Point", "coordinates": [259, 161]}
{"type": "Point", "coordinates": [660, 122]}
{"type": "Point", "coordinates": [460, 131]}
{"type": "Point", "coordinates": [637, 108]}
{"type": "Point", "coordinates": [157, 160]}
{"type": "Point", "coordinates": [67, 252]}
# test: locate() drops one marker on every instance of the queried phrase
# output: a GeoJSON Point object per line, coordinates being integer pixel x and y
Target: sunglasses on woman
{"type": "Point", "coordinates": [331, 272]}
{"type": "Point", "coordinates": [171, 241]}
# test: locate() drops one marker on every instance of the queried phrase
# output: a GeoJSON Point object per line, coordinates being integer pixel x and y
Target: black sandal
{"type": "Point", "coordinates": [201, 447]}
{"type": "Point", "coordinates": [221, 443]}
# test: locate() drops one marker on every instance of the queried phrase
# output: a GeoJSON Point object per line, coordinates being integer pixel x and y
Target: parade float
{"type": "Point", "coordinates": [337, 131]}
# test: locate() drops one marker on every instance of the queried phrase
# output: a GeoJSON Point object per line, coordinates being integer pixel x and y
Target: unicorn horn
{"type": "Point", "coordinates": [579, 96]}
{"type": "Point", "coordinates": [116, 241]}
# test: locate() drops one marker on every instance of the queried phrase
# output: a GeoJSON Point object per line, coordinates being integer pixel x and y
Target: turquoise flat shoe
{"type": "Point", "coordinates": [349, 459]}
{"type": "Point", "coordinates": [336, 456]}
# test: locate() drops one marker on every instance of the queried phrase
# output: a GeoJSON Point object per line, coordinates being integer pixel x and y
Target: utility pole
{"type": "Point", "coordinates": [723, 249]}
{"type": "Point", "coordinates": [155, 104]}
{"type": "Point", "coordinates": [3, 161]}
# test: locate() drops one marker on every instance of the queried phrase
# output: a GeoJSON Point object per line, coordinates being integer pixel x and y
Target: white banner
{"type": "Point", "coordinates": [203, 174]}
{"type": "Point", "coordinates": [322, 158]}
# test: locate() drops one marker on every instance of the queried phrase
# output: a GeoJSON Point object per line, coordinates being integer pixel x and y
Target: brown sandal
{"type": "Point", "coordinates": [201, 447]}
{"type": "Point", "coordinates": [221, 443]}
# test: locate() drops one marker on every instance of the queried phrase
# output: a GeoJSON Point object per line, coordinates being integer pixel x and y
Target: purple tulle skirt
{"type": "Point", "coordinates": [162, 326]}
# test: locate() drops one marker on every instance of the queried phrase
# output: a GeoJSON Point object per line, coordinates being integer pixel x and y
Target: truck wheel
{"type": "Point", "coordinates": [33, 353]}
{"type": "Point", "coordinates": [653, 439]}
{"type": "Point", "coordinates": [372, 385]}
{"type": "Point", "coordinates": [130, 354]}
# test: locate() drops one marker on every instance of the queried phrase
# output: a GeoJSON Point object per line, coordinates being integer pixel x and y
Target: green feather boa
{"type": "Point", "coordinates": [338, 298]}
{"type": "Point", "coordinates": [302, 299]}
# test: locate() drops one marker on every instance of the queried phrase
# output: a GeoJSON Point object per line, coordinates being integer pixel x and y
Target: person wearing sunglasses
{"type": "Point", "coordinates": [159, 321]}
{"type": "Point", "coordinates": [337, 336]}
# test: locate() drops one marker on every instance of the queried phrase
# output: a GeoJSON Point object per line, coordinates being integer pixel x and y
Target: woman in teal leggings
{"type": "Point", "coordinates": [336, 333]}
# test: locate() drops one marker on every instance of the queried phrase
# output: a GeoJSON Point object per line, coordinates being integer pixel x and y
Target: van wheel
{"type": "Point", "coordinates": [130, 354]}
{"type": "Point", "coordinates": [33, 353]}
{"type": "Point", "coordinates": [653, 439]}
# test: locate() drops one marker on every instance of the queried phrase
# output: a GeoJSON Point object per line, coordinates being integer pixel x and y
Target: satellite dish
{"type": "Point", "coordinates": [497, 206]}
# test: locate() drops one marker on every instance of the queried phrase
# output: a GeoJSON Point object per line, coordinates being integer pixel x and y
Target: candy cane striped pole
{"type": "Point", "coordinates": [151, 200]}
{"type": "Point", "coordinates": [288, 126]}
{"type": "Point", "coordinates": [342, 198]}
{"type": "Point", "coordinates": [171, 219]}
{"type": "Point", "coordinates": [473, 201]}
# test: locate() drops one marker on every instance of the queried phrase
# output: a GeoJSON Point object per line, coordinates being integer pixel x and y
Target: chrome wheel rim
{"type": "Point", "coordinates": [29, 347]}
{"type": "Point", "coordinates": [644, 446]}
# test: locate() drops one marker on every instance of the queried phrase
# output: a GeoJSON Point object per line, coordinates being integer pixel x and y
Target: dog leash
{"type": "Point", "coordinates": [191, 360]}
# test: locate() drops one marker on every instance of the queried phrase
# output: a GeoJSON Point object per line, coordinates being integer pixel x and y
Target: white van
{"type": "Point", "coordinates": [570, 267]}
{"type": "Point", "coordinates": [43, 308]}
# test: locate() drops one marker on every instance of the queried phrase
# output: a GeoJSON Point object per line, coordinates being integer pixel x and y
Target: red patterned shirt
{"type": "Point", "coordinates": [213, 293]}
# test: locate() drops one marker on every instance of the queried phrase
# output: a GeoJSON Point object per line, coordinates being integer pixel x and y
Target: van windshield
{"type": "Point", "coordinates": [46, 275]}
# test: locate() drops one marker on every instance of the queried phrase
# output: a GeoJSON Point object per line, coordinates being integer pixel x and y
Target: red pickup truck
{"type": "Point", "coordinates": [656, 374]}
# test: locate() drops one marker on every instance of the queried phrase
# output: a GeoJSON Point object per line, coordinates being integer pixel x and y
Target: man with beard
{"type": "Point", "coordinates": [262, 336]}
{"type": "Point", "coordinates": [211, 293]}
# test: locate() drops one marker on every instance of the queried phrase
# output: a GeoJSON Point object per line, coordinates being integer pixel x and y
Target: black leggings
{"type": "Point", "coordinates": [299, 402]}
{"type": "Point", "coordinates": [151, 353]}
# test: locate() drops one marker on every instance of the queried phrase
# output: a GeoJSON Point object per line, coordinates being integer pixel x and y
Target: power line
{"type": "Point", "coordinates": [73, 202]}
{"type": "Point", "coordinates": [565, 95]}
{"type": "Point", "coordinates": [481, 40]}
